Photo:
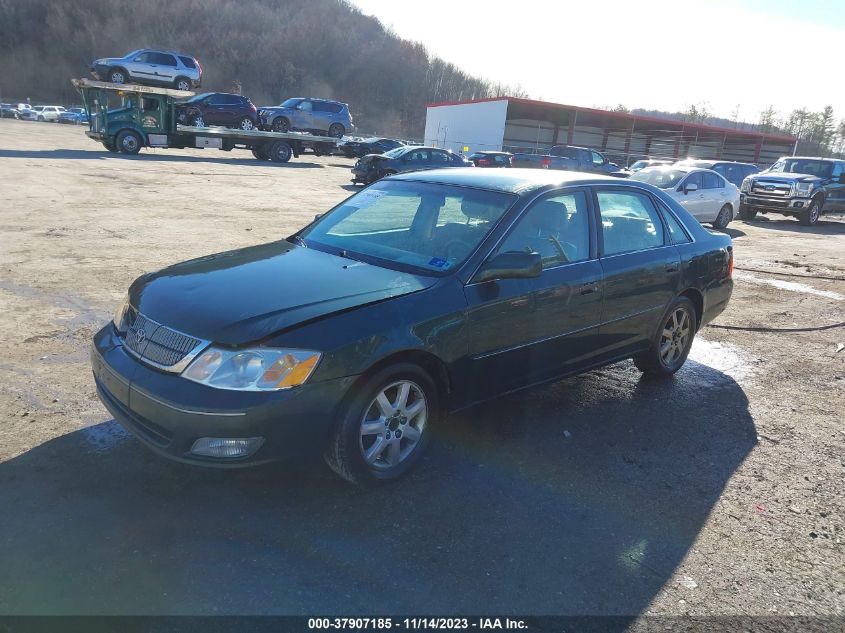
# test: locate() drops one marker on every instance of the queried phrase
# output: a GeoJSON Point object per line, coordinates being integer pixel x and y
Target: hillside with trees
{"type": "Point", "coordinates": [266, 49]}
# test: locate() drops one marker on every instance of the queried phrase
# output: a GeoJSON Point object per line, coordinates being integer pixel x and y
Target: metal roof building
{"type": "Point", "coordinates": [515, 124]}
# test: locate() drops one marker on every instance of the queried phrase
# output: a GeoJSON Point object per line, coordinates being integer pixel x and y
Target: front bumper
{"type": "Point", "coordinates": [169, 413]}
{"type": "Point", "coordinates": [773, 204]}
{"type": "Point", "coordinates": [100, 71]}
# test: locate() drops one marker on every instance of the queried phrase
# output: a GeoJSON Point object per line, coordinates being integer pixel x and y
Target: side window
{"type": "Point", "coordinates": [597, 158]}
{"type": "Point", "coordinates": [335, 108]}
{"type": "Point", "coordinates": [217, 100]}
{"type": "Point", "coordinates": [144, 58]}
{"type": "Point", "coordinates": [557, 227]}
{"type": "Point", "coordinates": [163, 59]}
{"type": "Point", "coordinates": [305, 106]}
{"type": "Point", "coordinates": [692, 179]}
{"type": "Point", "coordinates": [721, 169]}
{"type": "Point", "coordinates": [676, 231]}
{"type": "Point", "coordinates": [629, 222]}
{"type": "Point", "coordinates": [712, 181]}
{"type": "Point", "coordinates": [418, 156]}
{"type": "Point", "coordinates": [318, 106]}
{"type": "Point", "coordinates": [149, 105]}
{"type": "Point", "coordinates": [187, 61]}
{"type": "Point", "coordinates": [838, 170]}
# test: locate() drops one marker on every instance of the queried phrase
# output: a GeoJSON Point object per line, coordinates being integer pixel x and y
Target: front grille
{"type": "Point", "coordinates": [156, 343]}
{"type": "Point", "coordinates": [771, 189]}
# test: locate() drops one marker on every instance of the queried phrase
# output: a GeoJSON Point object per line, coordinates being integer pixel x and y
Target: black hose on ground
{"type": "Point", "coordinates": [777, 329]}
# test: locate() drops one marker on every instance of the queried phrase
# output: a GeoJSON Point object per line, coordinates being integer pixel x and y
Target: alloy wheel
{"type": "Point", "coordinates": [814, 212]}
{"type": "Point", "coordinates": [246, 124]}
{"type": "Point", "coordinates": [117, 77]}
{"type": "Point", "coordinates": [183, 85]}
{"type": "Point", "coordinates": [675, 337]}
{"type": "Point", "coordinates": [393, 425]}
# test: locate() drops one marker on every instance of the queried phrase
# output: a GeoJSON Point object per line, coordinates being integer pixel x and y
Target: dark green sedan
{"type": "Point", "coordinates": [422, 294]}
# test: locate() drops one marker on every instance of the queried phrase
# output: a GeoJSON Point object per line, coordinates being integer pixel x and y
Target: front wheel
{"type": "Point", "coordinates": [129, 142]}
{"type": "Point", "coordinates": [747, 213]}
{"type": "Point", "coordinates": [117, 76]}
{"type": "Point", "coordinates": [281, 124]}
{"type": "Point", "coordinates": [810, 215]}
{"type": "Point", "coordinates": [724, 218]}
{"type": "Point", "coordinates": [385, 427]}
{"type": "Point", "coordinates": [671, 345]}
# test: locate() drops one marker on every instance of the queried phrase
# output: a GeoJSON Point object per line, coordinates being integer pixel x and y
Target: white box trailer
{"type": "Point", "coordinates": [467, 127]}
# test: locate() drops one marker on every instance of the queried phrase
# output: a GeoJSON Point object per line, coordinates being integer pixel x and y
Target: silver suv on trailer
{"type": "Point", "coordinates": [152, 67]}
{"type": "Point", "coordinates": [319, 116]}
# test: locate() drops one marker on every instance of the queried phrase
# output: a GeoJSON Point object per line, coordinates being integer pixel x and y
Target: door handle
{"type": "Point", "coordinates": [589, 288]}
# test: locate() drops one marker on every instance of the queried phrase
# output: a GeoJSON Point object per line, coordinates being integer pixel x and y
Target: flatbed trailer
{"type": "Point", "coordinates": [127, 117]}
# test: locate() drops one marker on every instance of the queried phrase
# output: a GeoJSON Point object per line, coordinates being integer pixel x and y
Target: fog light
{"type": "Point", "coordinates": [798, 205]}
{"type": "Point", "coordinates": [226, 447]}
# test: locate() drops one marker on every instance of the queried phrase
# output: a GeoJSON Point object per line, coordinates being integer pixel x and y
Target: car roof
{"type": "Point", "coordinates": [484, 151]}
{"type": "Point", "coordinates": [162, 50]}
{"type": "Point", "coordinates": [518, 181]}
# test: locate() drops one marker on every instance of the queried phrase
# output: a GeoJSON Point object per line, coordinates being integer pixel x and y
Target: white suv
{"type": "Point", "coordinates": [153, 67]}
{"type": "Point", "coordinates": [50, 113]}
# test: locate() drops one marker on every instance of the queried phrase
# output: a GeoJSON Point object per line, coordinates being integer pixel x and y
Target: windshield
{"type": "Point", "coordinates": [420, 225]}
{"type": "Point", "coordinates": [640, 164]}
{"type": "Point", "coordinates": [396, 152]}
{"type": "Point", "coordinates": [289, 103]}
{"type": "Point", "coordinates": [820, 168]}
{"type": "Point", "coordinates": [659, 176]}
{"type": "Point", "coordinates": [198, 97]}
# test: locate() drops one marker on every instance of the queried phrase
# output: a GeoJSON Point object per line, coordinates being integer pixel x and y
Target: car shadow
{"type": "Point", "coordinates": [732, 232]}
{"type": "Point", "coordinates": [577, 498]}
{"type": "Point", "coordinates": [75, 154]}
{"type": "Point", "coordinates": [825, 226]}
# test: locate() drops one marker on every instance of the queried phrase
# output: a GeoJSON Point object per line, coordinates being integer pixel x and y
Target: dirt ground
{"type": "Point", "coordinates": [718, 493]}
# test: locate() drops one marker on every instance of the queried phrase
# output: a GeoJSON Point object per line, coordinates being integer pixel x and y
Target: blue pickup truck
{"type": "Point", "coordinates": [569, 158]}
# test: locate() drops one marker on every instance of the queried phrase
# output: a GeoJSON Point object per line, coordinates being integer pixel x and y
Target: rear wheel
{"type": "Point", "coordinates": [337, 130]}
{"type": "Point", "coordinates": [724, 218]}
{"type": "Point", "coordinates": [747, 213]}
{"type": "Point", "coordinates": [672, 343]}
{"type": "Point", "coordinates": [117, 76]}
{"type": "Point", "coordinates": [182, 83]}
{"type": "Point", "coordinates": [261, 152]}
{"type": "Point", "coordinates": [246, 124]}
{"type": "Point", "coordinates": [281, 124]}
{"type": "Point", "coordinates": [129, 142]}
{"type": "Point", "coordinates": [385, 427]}
{"type": "Point", "coordinates": [810, 215]}
{"type": "Point", "coordinates": [197, 121]}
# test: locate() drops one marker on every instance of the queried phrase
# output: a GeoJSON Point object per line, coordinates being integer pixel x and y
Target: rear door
{"type": "Point", "coordinates": [715, 195]}
{"type": "Point", "coordinates": [835, 199]}
{"type": "Point", "coordinates": [640, 266]}
{"type": "Point", "coordinates": [527, 330]}
{"type": "Point", "coordinates": [166, 67]}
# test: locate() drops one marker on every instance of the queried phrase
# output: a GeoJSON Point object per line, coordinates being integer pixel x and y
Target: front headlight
{"type": "Point", "coordinates": [119, 319]}
{"type": "Point", "coordinates": [255, 369]}
{"type": "Point", "coordinates": [803, 189]}
{"type": "Point", "coordinates": [745, 187]}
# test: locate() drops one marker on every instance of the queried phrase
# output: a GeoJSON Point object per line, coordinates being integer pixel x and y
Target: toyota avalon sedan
{"type": "Point", "coordinates": [422, 294]}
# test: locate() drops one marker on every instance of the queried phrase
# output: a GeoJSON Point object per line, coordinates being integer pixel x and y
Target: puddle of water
{"type": "Point", "coordinates": [724, 358]}
{"type": "Point", "coordinates": [789, 285]}
{"type": "Point", "coordinates": [104, 437]}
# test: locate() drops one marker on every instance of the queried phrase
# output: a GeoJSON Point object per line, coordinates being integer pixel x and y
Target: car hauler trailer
{"type": "Point", "coordinates": [127, 117]}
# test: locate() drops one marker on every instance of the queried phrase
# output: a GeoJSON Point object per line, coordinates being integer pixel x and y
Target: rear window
{"type": "Point", "coordinates": [188, 61]}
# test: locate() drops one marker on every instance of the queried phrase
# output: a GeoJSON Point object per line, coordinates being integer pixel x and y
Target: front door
{"type": "Point", "coordinates": [641, 270]}
{"type": "Point", "coordinates": [303, 117]}
{"type": "Point", "coordinates": [524, 331]}
{"type": "Point", "coordinates": [693, 201]}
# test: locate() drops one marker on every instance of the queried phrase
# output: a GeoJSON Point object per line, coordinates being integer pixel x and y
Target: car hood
{"type": "Point", "coordinates": [785, 176]}
{"type": "Point", "coordinates": [246, 295]}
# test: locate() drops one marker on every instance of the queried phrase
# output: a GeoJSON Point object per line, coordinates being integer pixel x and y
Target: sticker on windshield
{"type": "Point", "coordinates": [438, 263]}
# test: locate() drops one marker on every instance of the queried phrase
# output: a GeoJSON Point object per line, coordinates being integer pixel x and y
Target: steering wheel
{"type": "Point", "coordinates": [453, 244]}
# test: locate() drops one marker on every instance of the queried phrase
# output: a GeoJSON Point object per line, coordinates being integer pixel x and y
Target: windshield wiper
{"type": "Point", "coordinates": [298, 240]}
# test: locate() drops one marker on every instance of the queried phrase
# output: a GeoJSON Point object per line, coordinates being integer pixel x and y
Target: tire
{"type": "Point", "coordinates": [364, 447]}
{"type": "Point", "coordinates": [663, 360]}
{"type": "Point", "coordinates": [118, 76]}
{"type": "Point", "coordinates": [110, 147]}
{"type": "Point", "coordinates": [261, 152]}
{"type": "Point", "coordinates": [281, 124]}
{"type": "Point", "coordinates": [811, 214]}
{"type": "Point", "coordinates": [197, 121]}
{"type": "Point", "coordinates": [280, 152]}
{"type": "Point", "coordinates": [41, 118]}
{"type": "Point", "coordinates": [337, 130]}
{"type": "Point", "coordinates": [129, 142]}
{"type": "Point", "coordinates": [724, 218]}
{"type": "Point", "coordinates": [182, 83]}
{"type": "Point", "coordinates": [246, 124]}
{"type": "Point", "coordinates": [747, 213]}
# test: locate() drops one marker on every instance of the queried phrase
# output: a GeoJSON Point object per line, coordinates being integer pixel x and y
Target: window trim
{"type": "Point", "coordinates": [667, 240]}
{"type": "Point", "coordinates": [663, 208]}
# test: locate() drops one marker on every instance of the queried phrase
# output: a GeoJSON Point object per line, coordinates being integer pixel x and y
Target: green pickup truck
{"type": "Point", "coordinates": [128, 117]}
{"type": "Point", "coordinates": [798, 186]}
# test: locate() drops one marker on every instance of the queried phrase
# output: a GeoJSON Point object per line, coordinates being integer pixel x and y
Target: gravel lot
{"type": "Point", "coordinates": [720, 492]}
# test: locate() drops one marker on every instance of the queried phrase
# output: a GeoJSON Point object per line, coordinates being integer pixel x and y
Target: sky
{"type": "Point", "coordinates": [653, 54]}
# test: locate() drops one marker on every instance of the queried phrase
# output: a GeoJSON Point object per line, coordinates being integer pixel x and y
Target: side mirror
{"type": "Point", "coordinates": [511, 265]}
{"type": "Point", "coordinates": [690, 187]}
